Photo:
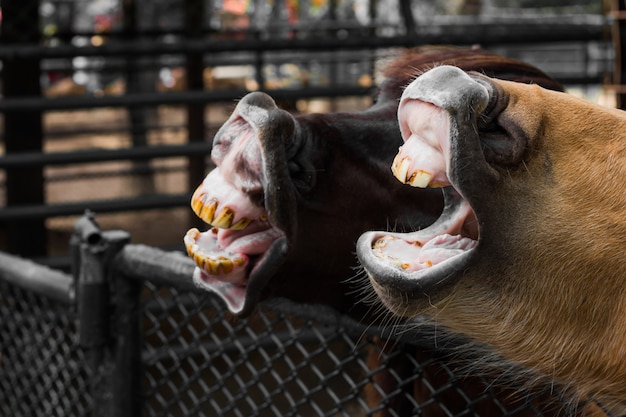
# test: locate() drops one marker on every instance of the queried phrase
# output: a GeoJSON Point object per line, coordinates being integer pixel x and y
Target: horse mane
{"type": "Point", "coordinates": [412, 63]}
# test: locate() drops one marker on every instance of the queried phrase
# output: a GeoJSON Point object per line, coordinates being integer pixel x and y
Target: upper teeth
{"type": "Point", "coordinates": [418, 178]}
{"type": "Point", "coordinates": [224, 219]}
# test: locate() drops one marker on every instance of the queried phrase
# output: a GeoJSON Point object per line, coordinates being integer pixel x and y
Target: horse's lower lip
{"type": "Point", "coordinates": [233, 295]}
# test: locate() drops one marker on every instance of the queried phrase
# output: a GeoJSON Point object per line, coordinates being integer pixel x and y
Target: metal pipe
{"type": "Point", "coordinates": [164, 268]}
{"type": "Point", "coordinates": [145, 202]}
{"type": "Point", "coordinates": [37, 278]}
{"type": "Point", "coordinates": [104, 155]}
{"type": "Point", "coordinates": [180, 98]}
{"type": "Point", "coordinates": [591, 27]}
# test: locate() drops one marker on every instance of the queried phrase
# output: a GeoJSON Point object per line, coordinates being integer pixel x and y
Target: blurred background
{"type": "Point", "coordinates": [111, 105]}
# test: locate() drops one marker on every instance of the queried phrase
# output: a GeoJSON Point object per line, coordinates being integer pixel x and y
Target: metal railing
{"type": "Point", "coordinates": [128, 334]}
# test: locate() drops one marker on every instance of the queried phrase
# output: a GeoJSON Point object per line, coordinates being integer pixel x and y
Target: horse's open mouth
{"type": "Point", "coordinates": [236, 245]}
{"type": "Point", "coordinates": [419, 261]}
{"type": "Point", "coordinates": [248, 201]}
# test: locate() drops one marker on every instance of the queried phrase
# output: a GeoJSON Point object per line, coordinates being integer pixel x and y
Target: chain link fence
{"type": "Point", "coordinates": [43, 371]}
{"type": "Point", "coordinates": [130, 335]}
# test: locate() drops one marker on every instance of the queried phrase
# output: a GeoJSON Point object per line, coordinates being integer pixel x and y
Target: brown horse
{"type": "Point", "coordinates": [528, 255]}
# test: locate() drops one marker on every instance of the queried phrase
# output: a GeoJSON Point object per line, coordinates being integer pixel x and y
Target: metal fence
{"type": "Point", "coordinates": [128, 334]}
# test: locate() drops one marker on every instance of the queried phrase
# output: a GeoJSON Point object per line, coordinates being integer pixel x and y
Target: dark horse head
{"type": "Point", "coordinates": [290, 195]}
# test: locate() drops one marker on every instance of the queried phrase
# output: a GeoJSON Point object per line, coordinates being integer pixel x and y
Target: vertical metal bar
{"type": "Point", "coordinates": [127, 374]}
{"type": "Point", "coordinates": [194, 69]}
{"type": "Point", "coordinates": [619, 40]}
{"type": "Point", "coordinates": [138, 81]}
{"type": "Point", "coordinates": [99, 339]}
{"type": "Point", "coordinates": [93, 304]}
{"type": "Point", "coordinates": [407, 14]}
{"type": "Point", "coordinates": [23, 129]}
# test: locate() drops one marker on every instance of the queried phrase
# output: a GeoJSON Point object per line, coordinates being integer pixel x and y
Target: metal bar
{"type": "Point", "coordinates": [590, 27]}
{"type": "Point", "coordinates": [104, 155]}
{"type": "Point", "coordinates": [54, 133]}
{"type": "Point", "coordinates": [94, 298]}
{"type": "Point", "coordinates": [145, 202]}
{"type": "Point", "coordinates": [126, 377]}
{"type": "Point", "coordinates": [114, 356]}
{"type": "Point", "coordinates": [166, 268]}
{"type": "Point", "coordinates": [37, 278]}
{"type": "Point", "coordinates": [200, 97]}
{"type": "Point", "coordinates": [194, 68]}
{"type": "Point", "coordinates": [407, 16]}
{"type": "Point", "coordinates": [23, 128]}
{"type": "Point", "coordinates": [212, 60]}
{"type": "Point", "coordinates": [615, 77]}
{"type": "Point", "coordinates": [116, 173]}
{"type": "Point", "coordinates": [159, 99]}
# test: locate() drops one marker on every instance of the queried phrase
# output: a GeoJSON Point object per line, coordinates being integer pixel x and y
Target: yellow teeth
{"type": "Point", "coordinates": [405, 265]}
{"type": "Point", "coordinates": [196, 204]}
{"type": "Point", "coordinates": [241, 224]}
{"type": "Point", "coordinates": [420, 179]}
{"type": "Point", "coordinates": [190, 239]}
{"type": "Point", "coordinates": [208, 211]}
{"type": "Point", "coordinates": [224, 219]}
{"type": "Point", "coordinates": [214, 266]}
{"type": "Point", "coordinates": [203, 209]}
{"type": "Point", "coordinates": [400, 169]}
{"type": "Point", "coordinates": [226, 264]}
{"type": "Point", "coordinates": [211, 264]}
{"type": "Point", "coordinates": [381, 243]}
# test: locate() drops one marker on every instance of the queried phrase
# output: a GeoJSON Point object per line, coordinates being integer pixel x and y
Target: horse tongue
{"type": "Point", "coordinates": [255, 239]}
{"type": "Point", "coordinates": [444, 247]}
{"type": "Point", "coordinates": [415, 255]}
